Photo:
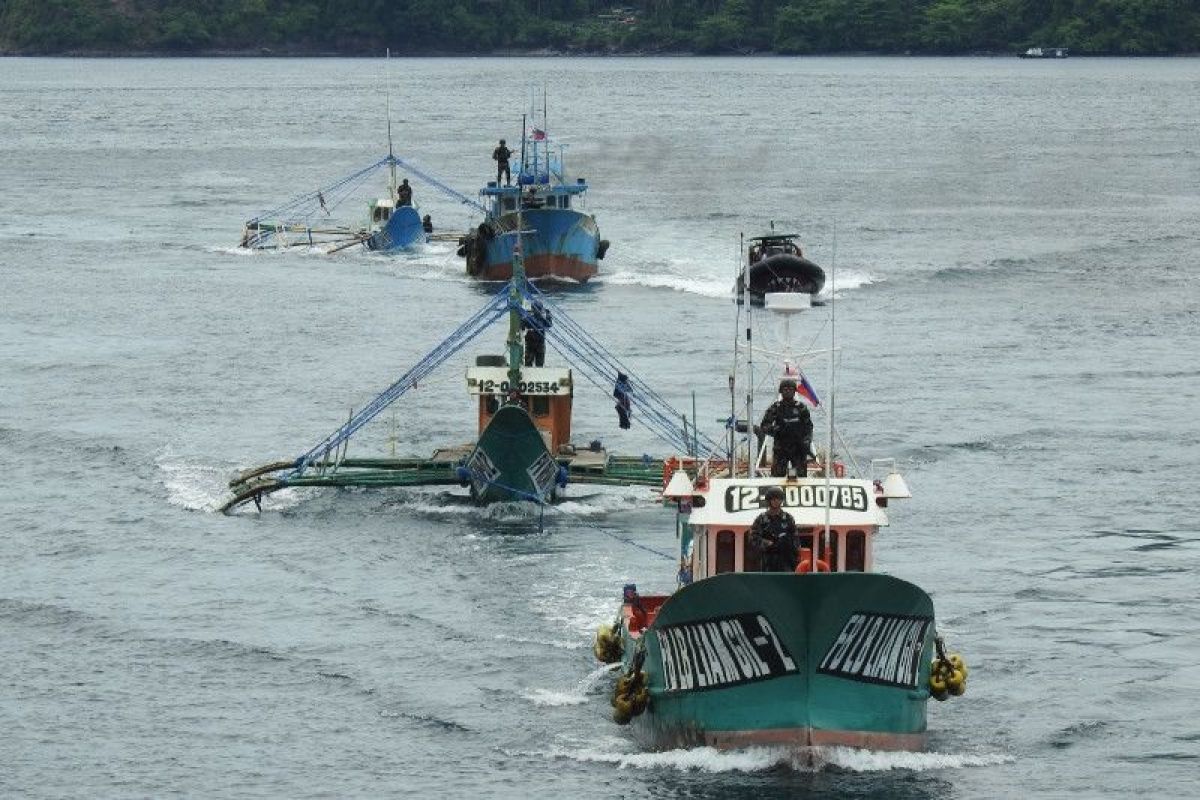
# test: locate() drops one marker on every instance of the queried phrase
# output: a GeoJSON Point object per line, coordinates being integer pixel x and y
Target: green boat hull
{"type": "Point", "coordinates": [511, 460]}
{"type": "Point", "coordinates": [745, 659]}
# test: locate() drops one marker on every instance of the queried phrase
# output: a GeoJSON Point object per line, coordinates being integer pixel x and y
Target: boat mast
{"type": "Point", "coordinates": [832, 390]}
{"type": "Point", "coordinates": [751, 437]}
{"type": "Point", "coordinates": [387, 93]}
{"type": "Point", "coordinates": [516, 350]}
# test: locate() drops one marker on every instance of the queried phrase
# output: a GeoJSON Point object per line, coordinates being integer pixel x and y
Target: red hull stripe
{"type": "Point", "coordinates": [543, 266]}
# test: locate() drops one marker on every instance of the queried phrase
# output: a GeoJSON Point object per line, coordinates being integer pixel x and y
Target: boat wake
{"type": "Point", "coordinates": [763, 759]}
{"type": "Point", "coordinates": [576, 696]}
{"type": "Point", "coordinates": [722, 288]}
{"type": "Point", "coordinates": [195, 486]}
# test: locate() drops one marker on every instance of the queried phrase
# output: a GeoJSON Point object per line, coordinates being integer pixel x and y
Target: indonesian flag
{"type": "Point", "coordinates": [538, 135]}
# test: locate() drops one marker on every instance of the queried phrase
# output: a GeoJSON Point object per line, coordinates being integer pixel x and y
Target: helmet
{"type": "Point", "coordinates": [775, 492]}
{"type": "Point", "coordinates": [787, 383]}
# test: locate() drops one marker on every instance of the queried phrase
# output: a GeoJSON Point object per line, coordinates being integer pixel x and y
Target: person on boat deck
{"type": "Point", "coordinates": [427, 224]}
{"type": "Point", "coordinates": [621, 393]}
{"type": "Point", "coordinates": [404, 193]}
{"type": "Point", "coordinates": [535, 334]}
{"type": "Point", "coordinates": [773, 535]}
{"type": "Point", "coordinates": [790, 425]}
{"type": "Point", "coordinates": [501, 155]}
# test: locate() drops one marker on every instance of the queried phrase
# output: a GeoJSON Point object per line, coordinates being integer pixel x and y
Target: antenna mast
{"type": "Point", "coordinates": [387, 93]}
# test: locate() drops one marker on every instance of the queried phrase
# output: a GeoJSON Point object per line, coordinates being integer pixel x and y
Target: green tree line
{"type": "Point", "coordinates": [418, 27]}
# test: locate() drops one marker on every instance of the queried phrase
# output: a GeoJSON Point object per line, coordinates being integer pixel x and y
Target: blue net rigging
{"type": "Point", "coordinates": [601, 368]}
{"type": "Point", "coordinates": [495, 308]}
{"type": "Point", "coordinates": [574, 343]}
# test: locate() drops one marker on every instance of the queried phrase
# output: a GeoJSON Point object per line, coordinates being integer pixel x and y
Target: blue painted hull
{"type": "Point", "coordinates": [402, 231]}
{"type": "Point", "coordinates": [560, 243]}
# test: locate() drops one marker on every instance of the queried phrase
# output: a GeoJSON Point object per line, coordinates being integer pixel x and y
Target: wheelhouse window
{"type": "Point", "coordinates": [856, 551]}
{"type": "Point", "coordinates": [539, 405]}
{"type": "Point", "coordinates": [509, 204]}
{"type": "Point", "coordinates": [725, 551]}
{"type": "Point", "coordinates": [751, 558]}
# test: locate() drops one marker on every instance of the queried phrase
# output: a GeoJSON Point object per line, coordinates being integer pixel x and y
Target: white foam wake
{"type": "Point", "coordinates": [578, 695]}
{"type": "Point", "coordinates": [807, 759]}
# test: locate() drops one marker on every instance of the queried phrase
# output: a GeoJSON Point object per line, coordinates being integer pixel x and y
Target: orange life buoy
{"type": "Point", "coordinates": [805, 564]}
{"type": "Point", "coordinates": [839, 469]}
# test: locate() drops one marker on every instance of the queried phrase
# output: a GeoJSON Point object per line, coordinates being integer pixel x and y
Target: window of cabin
{"type": "Point", "coordinates": [491, 404]}
{"type": "Point", "coordinates": [856, 551]}
{"type": "Point", "coordinates": [725, 551]}
{"type": "Point", "coordinates": [751, 558]}
{"type": "Point", "coordinates": [509, 204]}
{"type": "Point", "coordinates": [378, 215]}
{"type": "Point", "coordinates": [804, 538]}
{"type": "Point", "coordinates": [540, 405]}
{"type": "Point", "coordinates": [828, 555]}
{"type": "Point", "coordinates": [566, 201]}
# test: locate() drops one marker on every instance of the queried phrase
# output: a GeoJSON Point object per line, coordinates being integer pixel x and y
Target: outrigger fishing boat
{"type": "Point", "coordinates": [832, 653]}
{"type": "Point", "coordinates": [775, 263]}
{"type": "Point", "coordinates": [522, 450]}
{"type": "Point", "coordinates": [564, 240]}
{"type": "Point", "coordinates": [392, 224]}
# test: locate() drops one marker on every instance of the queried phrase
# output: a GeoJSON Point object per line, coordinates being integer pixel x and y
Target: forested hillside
{"type": "Point", "coordinates": [417, 27]}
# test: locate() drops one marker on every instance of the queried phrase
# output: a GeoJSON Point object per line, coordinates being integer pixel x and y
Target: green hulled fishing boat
{"type": "Point", "coordinates": [779, 638]}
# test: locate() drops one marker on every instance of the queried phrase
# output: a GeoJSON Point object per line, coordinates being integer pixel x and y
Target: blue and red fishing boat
{"type": "Point", "coordinates": [561, 239]}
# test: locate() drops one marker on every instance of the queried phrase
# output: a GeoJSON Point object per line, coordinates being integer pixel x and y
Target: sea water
{"type": "Point", "coordinates": [1013, 253]}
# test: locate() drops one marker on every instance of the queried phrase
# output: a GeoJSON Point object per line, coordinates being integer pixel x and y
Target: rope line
{"type": "Point", "coordinates": [494, 309]}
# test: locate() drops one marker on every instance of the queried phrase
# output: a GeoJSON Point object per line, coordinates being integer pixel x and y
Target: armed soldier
{"type": "Point", "coordinates": [789, 424]}
{"type": "Point", "coordinates": [773, 535]}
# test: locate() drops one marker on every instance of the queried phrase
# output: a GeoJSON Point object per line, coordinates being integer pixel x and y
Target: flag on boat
{"type": "Point", "coordinates": [805, 390]}
{"type": "Point", "coordinates": [539, 135]}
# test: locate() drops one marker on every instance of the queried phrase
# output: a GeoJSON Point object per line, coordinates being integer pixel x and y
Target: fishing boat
{"type": "Point", "coordinates": [563, 240]}
{"type": "Point", "coordinates": [829, 652]}
{"type": "Point", "coordinates": [522, 449]}
{"type": "Point", "coordinates": [775, 263]}
{"type": "Point", "coordinates": [314, 220]}
{"type": "Point", "coordinates": [1045, 52]}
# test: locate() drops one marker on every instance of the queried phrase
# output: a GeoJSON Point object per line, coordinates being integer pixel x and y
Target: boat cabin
{"type": "Point", "coordinates": [546, 393]}
{"type": "Point", "coordinates": [501, 200]}
{"type": "Point", "coordinates": [381, 211]}
{"type": "Point", "coordinates": [719, 529]}
{"type": "Point", "coordinates": [766, 246]}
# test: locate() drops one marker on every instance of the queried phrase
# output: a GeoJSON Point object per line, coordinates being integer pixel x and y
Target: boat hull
{"type": "Point", "coordinates": [745, 659]}
{"type": "Point", "coordinates": [781, 273]}
{"type": "Point", "coordinates": [511, 460]}
{"type": "Point", "coordinates": [558, 243]}
{"type": "Point", "coordinates": [403, 231]}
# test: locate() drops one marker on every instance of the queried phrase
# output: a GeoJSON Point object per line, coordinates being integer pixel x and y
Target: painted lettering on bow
{"type": "Point", "coordinates": [722, 652]}
{"type": "Point", "coordinates": [878, 648]}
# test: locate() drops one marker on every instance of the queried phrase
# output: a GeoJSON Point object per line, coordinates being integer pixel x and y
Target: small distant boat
{"type": "Point", "coordinates": [560, 239]}
{"type": "Point", "coordinates": [775, 263]}
{"type": "Point", "coordinates": [1044, 52]}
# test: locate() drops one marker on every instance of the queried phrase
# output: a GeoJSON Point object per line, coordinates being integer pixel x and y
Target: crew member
{"type": "Point", "coordinates": [404, 194]}
{"type": "Point", "coordinates": [535, 334]}
{"type": "Point", "coordinates": [788, 422]}
{"type": "Point", "coordinates": [773, 535]}
{"type": "Point", "coordinates": [501, 155]}
{"type": "Point", "coordinates": [427, 224]}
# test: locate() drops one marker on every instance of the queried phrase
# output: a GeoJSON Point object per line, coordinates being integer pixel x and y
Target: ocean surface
{"type": "Point", "coordinates": [1014, 245]}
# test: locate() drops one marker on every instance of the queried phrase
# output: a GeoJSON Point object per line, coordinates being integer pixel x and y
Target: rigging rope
{"type": "Point", "coordinates": [600, 367]}
{"type": "Point", "coordinates": [494, 309]}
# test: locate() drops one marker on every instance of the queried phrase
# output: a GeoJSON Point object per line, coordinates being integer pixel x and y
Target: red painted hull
{"type": "Point", "coordinates": [543, 266]}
